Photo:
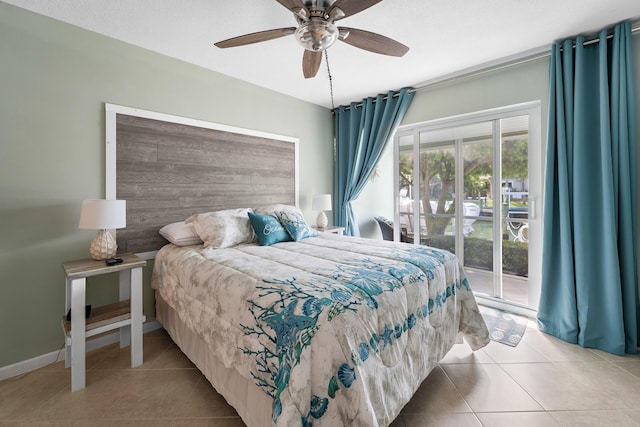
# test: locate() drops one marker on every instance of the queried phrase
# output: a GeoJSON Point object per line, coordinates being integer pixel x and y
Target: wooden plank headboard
{"type": "Point", "coordinates": [168, 168]}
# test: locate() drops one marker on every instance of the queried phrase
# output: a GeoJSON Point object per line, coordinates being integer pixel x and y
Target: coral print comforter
{"type": "Point", "coordinates": [336, 330]}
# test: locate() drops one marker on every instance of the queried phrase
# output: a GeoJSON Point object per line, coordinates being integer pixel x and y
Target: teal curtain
{"type": "Point", "coordinates": [362, 132]}
{"type": "Point", "coordinates": [589, 292]}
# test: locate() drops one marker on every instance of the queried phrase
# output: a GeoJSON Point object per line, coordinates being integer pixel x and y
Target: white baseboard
{"type": "Point", "coordinates": [56, 356]}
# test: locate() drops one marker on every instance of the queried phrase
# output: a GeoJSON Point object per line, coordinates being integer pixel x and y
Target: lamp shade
{"type": "Point", "coordinates": [100, 214]}
{"type": "Point", "coordinates": [321, 202]}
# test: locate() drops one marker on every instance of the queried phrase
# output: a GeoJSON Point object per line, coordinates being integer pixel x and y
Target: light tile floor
{"type": "Point", "coordinates": [541, 382]}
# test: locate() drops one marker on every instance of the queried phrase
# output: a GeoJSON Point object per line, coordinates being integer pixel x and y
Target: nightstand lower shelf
{"type": "Point", "coordinates": [103, 319]}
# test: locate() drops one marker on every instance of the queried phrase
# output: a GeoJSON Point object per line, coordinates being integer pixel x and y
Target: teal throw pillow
{"type": "Point", "coordinates": [295, 225]}
{"type": "Point", "coordinates": [268, 229]}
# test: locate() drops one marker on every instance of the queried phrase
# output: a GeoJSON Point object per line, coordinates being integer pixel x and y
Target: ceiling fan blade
{"type": "Point", "coordinates": [351, 7]}
{"type": "Point", "coordinates": [292, 4]}
{"type": "Point", "coordinates": [372, 42]}
{"type": "Point", "coordinates": [311, 63]}
{"type": "Point", "coordinates": [260, 36]}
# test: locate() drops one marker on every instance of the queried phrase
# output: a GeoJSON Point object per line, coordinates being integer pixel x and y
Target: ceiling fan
{"type": "Point", "coordinates": [317, 31]}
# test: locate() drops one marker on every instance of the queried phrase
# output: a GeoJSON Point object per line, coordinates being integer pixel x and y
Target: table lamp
{"type": "Point", "coordinates": [321, 202]}
{"type": "Point", "coordinates": [99, 214]}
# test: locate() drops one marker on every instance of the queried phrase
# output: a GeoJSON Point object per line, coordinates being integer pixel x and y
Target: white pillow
{"type": "Point", "coordinates": [223, 229]}
{"type": "Point", "coordinates": [180, 234]}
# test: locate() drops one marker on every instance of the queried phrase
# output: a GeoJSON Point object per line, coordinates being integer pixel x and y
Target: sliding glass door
{"type": "Point", "coordinates": [467, 185]}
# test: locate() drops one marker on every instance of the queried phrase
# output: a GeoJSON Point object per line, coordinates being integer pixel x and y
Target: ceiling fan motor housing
{"type": "Point", "coordinates": [318, 4]}
{"type": "Point", "coordinates": [316, 34]}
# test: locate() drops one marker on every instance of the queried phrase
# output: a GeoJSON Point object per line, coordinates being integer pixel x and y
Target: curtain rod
{"type": "Point", "coordinates": [384, 98]}
{"type": "Point", "coordinates": [596, 39]}
{"type": "Point", "coordinates": [522, 58]}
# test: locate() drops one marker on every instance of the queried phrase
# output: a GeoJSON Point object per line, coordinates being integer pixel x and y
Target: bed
{"type": "Point", "coordinates": [316, 329]}
{"type": "Point", "coordinates": [327, 330]}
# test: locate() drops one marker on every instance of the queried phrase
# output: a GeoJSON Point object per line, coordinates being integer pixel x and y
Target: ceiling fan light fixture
{"type": "Point", "coordinates": [316, 35]}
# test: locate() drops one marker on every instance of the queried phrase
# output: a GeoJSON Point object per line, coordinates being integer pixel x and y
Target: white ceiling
{"type": "Point", "coordinates": [444, 36]}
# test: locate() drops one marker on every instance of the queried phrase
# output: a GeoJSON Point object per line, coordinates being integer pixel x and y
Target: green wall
{"type": "Point", "coordinates": [54, 81]}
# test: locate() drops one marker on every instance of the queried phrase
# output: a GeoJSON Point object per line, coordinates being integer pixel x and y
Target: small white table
{"type": "Point", "coordinates": [331, 229]}
{"type": "Point", "coordinates": [125, 314]}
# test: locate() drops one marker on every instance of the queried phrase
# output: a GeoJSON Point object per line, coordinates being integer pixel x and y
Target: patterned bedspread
{"type": "Point", "coordinates": [336, 330]}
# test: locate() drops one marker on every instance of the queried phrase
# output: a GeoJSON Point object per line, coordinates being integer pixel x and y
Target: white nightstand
{"type": "Point", "coordinates": [125, 314]}
{"type": "Point", "coordinates": [331, 229]}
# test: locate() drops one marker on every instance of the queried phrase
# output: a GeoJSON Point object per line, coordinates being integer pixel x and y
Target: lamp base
{"type": "Point", "coordinates": [103, 246]}
{"type": "Point", "coordinates": [321, 220]}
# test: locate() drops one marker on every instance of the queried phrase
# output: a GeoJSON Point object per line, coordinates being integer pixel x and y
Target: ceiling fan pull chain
{"type": "Point", "coordinates": [326, 59]}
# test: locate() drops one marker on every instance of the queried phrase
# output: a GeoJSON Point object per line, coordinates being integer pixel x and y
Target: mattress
{"type": "Point", "coordinates": [329, 330]}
